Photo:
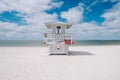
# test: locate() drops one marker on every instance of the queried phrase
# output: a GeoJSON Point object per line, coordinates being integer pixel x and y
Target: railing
{"type": "Point", "coordinates": [57, 38]}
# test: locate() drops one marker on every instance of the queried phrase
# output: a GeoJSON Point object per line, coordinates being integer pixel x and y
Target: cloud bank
{"type": "Point", "coordinates": [34, 13]}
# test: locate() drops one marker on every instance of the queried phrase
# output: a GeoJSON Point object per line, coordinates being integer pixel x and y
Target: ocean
{"type": "Point", "coordinates": [17, 43]}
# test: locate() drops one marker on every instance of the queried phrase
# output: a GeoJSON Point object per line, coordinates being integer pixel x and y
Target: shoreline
{"type": "Point", "coordinates": [36, 43]}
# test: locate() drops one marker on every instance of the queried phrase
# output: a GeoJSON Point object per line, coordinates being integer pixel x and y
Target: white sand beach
{"type": "Point", "coordinates": [84, 63]}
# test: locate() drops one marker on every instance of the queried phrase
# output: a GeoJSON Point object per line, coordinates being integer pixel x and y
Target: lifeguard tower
{"type": "Point", "coordinates": [58, 40]}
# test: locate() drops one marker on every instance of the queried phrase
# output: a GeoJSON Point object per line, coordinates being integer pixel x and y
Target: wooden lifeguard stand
{"type": "Point", "coordinates": [58, 40]}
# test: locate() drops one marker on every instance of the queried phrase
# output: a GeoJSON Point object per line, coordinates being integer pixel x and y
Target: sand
{"type": "Point", "coordinates": [84, 63]}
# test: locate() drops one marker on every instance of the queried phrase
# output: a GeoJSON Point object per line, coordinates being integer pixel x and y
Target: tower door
{"type": "Point", "coordinates": [58, 29]}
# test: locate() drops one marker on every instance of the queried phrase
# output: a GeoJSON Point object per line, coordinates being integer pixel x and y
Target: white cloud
{"type": "Point", "coordinates": [35, 17]}
{"type": "Point", "coordinates": [28, 7]}
{"type": "Point", "coordinates": [110, 28]}
{"type": "Point", "coordinates": [95, 2]}
{"type": "Point", "coordinates": [86, 30]}
{"type": "Point", "coordinates": [112, 16]}
{"type": "Point", "coordinates": [13, 31]}
{"type": "Point", "coordinates": [56, 4]}
{"type": "Point", "coordinates": [88, 7]}
{"type": "Point", "coordinates": [93, 31]}
{"type": "Point", "coordinates": [8, 30]}
{"type": "Point", "coordinates": [110, 0]}
{"type": "Point", "coordinates": [114, 0]}
{"type": "Point", "coordinates": [33, 30]}
{"type": "Point", "coordinates": [34, 14]}
{"type": "Point", "coordinates": [74, 14]}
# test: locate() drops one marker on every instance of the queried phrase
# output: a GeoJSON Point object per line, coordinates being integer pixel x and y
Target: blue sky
{"type": "Point", "coordinates": [93, 19]}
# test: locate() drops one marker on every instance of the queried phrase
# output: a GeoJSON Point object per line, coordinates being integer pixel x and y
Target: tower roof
{"type": "Point", "coordinates": [50, 25]}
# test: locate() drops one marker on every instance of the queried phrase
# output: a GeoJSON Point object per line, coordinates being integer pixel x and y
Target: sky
{"type": "Point", "coordinates": [92, 19]}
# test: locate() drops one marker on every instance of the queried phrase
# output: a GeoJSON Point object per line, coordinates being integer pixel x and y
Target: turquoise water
{"type": "Point", "coordinates": [40, 43]}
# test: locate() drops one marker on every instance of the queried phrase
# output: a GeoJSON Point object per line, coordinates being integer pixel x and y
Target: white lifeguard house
{"type": "Point", "coordinates": [58, 40]}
